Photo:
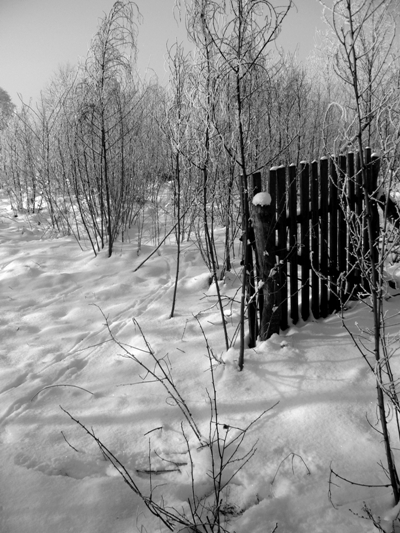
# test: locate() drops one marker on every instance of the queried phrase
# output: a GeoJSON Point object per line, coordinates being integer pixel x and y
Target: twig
{"type": "Point", "coordinates": [151, 430]}
{"type": "Point", "coordinates": [61, 385]}
{"type": "Point", "coordinates": [69, 444]}
{"type": "Point", "coordinates": [158, 472]}
{"type": "Point", "coordinates": [169, 518]}
{"type": "Point", "coordinates": [91, 346]}
{"type": "Point", "coordinates": [292, 455]}
{"type": "Point", "coordinates": [359, 484]}
{"type": "Point", "coordinates": [143, 382]}
{"type": "Point", "coordinates": [330, 483]}
{"type": "Point", "coordinates": [165, 379]}
{"type": "Point", "coordinates": [168, 461]}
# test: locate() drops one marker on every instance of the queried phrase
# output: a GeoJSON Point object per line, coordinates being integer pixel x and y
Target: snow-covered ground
{"type": "Point", "coordinates": [55, 351]}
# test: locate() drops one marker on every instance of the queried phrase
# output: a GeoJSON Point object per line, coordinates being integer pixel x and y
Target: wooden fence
{"type": "Point", "coordinates": [320, 234]}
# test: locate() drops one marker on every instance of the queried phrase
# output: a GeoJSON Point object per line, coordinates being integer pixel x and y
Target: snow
{"type": "Point", "coordinates": [316, 389]}
{"type": "Point", "coordinates": [262, 198]}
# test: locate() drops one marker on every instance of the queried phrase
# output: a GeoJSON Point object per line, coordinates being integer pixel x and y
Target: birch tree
{"type": "Point", "coordinates": [104, 109]}
{"type": "Point", "coordinates": [234, 37]}
{"type": "Point", "coordinates": [364, 61]}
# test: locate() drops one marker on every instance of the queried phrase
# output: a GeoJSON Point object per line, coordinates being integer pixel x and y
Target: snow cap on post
{"type": "Point", "coordinates": [262, 198]}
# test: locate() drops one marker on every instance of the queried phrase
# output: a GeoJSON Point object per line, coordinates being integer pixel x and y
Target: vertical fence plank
{"type": "Point", "coordinates": [305, 239]}
{"type": "Point", "coordinates": [272, 189]}
{"type": "Point", "coordinates": [282, 299]}
{"type": "Point", "coordinates": [324, 237]}
{"type": "Point", "coordinates": [358, 231]}
{"type": "Point", "coordinates": [315, 280]}
{"type": "Point", "coordinates": [352, 269]}
{"type": "Point", "coordinates": [333, 235]}
{"type": "Point", "coordinates": [271, 186]}
{"type": "Point", "coordinates": [293, 249]}
{"type": "Point", "coordinates": [366, 247]}
{"type": "Point", "coordinates": [342, 233]}
{"type": "Point", "coordinates": [255, 184]}
{"type": "Point", "coordinates": [375, 167]}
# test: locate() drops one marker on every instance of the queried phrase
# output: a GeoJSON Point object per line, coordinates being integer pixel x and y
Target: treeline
{"type": "Point", "coordinates": [101, 143]}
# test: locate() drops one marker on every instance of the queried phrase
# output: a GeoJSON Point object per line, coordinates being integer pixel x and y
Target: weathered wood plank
{"type": "Point", "coordinates": [315, 248]}
{"type": "Point", "coordinates": [324, 237]}
{"type": "Point", "coordinates": [333, 236]}
{"type": "Point", "coordinates": [293, 268]}
{"type": "Point", "coordinates": [305, 239]}
{"type": "Point", "coordinates": [264, 224]}
{"type": "Point", "coordinates": [282, 300]}
{"type": "Point", "coordinates": [353, 271]}
{"type": "Point", "coordinates": [342, 233]}
{"type": "Point", "coordinates": [375, 167]}
{"type": "Point", "coordinates": [256, 187]}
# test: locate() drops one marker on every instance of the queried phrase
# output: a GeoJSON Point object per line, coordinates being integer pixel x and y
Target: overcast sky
{"type": "Point", "coordinates": [38, 35]}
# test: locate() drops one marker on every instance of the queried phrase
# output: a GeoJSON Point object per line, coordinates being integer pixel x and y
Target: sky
{"type": "Point", "coordinates": [37, 36]}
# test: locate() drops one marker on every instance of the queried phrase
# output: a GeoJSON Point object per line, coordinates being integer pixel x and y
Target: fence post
{"type": "Point", "coordinates": [255, 188]}
{"type": "Point", "coordinates": [263, 213]}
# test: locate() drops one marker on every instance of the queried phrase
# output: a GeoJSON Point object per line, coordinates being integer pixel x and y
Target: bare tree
{"type": "Point", "coordinates": [176, 128]}
{"type": "Point", "coordinates": [234, 38]}
{"type": "Point", "coordinates": [365, 31]}
{"type": "Point", "coordinates": [103, 108]}
{"type": "Point", "coordinates": [7, 108]}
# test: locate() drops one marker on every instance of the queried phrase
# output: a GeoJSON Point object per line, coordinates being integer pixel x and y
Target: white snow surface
{"type": "Point", "coordinates": [262, 198]}
{"type": "Point", "coordinates": [56, 351]}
